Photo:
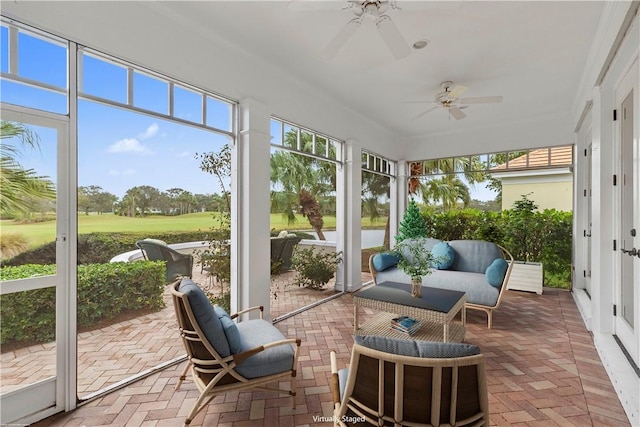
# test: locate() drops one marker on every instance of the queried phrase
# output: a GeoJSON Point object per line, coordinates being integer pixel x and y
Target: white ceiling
{"type": "Point", "coordinates": [531, 53]}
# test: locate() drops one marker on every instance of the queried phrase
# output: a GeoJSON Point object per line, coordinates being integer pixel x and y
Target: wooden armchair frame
{"type": "Point", "coordinates": [390, 389]}
{"type": "Point", "coordinates": [214, 374]}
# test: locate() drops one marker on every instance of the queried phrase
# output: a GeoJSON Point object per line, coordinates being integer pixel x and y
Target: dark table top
{"type": "Point", "coordinates": [441, 300]}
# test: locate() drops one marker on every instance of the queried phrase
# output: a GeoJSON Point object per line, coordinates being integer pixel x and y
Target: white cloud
{"type": "Point", "coordinates": [184, 154]}
{"type": "Point", "coordinates": [124, 172]}
{"type": "Point", "coordinates": [127, 145]}
{"type": "Point", "coordinates": [152, 130]}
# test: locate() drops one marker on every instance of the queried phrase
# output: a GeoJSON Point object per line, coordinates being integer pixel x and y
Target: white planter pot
{"type": "Point", "coordinates": [526, 277]}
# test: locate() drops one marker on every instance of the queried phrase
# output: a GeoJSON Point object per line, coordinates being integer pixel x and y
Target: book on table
{"type": "Point", "coordinates": [405, 324]}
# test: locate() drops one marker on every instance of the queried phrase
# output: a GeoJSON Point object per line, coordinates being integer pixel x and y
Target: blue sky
{"type": "Point", "coordinates": [117, 149]}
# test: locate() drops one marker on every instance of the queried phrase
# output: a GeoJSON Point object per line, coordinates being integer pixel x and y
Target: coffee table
{"type": "Point", "coordinates": [436, 309]}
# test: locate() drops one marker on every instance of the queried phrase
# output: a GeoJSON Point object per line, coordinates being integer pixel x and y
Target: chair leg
{"type": "Point", "coordinates": [489, 319]}
{"type": "Point", "coordinates": [183, 376]}
{"type": "Point", "coordinates": [293, 389]}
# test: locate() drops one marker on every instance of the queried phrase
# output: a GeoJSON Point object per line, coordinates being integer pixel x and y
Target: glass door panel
{"type": "Point", "coordinates": [33, 235]}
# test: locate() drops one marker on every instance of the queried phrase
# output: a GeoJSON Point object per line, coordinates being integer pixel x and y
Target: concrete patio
{"type": "Point", "coordinates": [542, 367]}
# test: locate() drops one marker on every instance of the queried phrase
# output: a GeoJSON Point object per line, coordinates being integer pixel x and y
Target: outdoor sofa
{"type": "Point", "coordinates": [479, 268]}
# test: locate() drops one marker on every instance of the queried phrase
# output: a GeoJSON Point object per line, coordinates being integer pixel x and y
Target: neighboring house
{"type": "Point", "coordinates": [545, 175]}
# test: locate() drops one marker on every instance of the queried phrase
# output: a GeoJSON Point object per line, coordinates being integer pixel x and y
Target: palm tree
{"type": "Point", "coordinates": [19, 187]}
{"type": "Point", "coordinates": [375, 186]}
{"type": "Point", "coordinates": [301, 181]}
{"type": "Point", "coordinates": [449, 188]}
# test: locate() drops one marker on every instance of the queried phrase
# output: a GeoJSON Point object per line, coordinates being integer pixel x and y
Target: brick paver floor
{"type": "Point", "coordinates": [542, 369]}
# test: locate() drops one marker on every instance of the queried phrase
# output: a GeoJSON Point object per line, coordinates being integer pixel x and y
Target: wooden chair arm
{"type": "Point", "coordinates": [241, 357]}
{"type": "Point", "coordinates": [257, 307]}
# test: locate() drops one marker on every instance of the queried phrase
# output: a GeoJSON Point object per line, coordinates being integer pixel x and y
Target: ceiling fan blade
{"type": "Point", "coordinates": [421, 102]}
{"type": "Point", "coordinates": [457, 113]}
{"type": "Point", "coordinates": [316, 5]}
{"type": "Point", "coordinates": [392, 37]}
{"type": "Point", "coordinates": [482, 100]}
{"type": "Point", "coordinates": [341, 38]}
{"type": "Point", "coordinates": [425, 112]}
{"type": "Point", "coordinates": [456, 91]}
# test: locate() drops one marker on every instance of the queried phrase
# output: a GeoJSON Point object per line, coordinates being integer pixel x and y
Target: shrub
{"type": "Point", "coordinates": [529, 235]}
{"type": "Point", "coordinates": [12, 244]}
{"type": "Point", "coordinates": [315, 268]}
{"type": "Point", "coordinates": [104, 291]}
{"type": "Point", "coordinates": [94, 248]}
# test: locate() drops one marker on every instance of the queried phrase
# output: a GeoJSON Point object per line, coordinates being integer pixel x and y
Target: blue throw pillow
{"type": "Point", "coordinates": [230, 329]}
{"type": "Point", "coordinates": [385, 260]}
{"type": "Point", "coordinates": [443, 256]}
{"type": "Point", "coordinates": [496, 271]}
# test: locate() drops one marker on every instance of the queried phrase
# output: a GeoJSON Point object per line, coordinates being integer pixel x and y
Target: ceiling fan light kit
{"type": "Point", "coordinates": [371, 12]}
{"type": "Point", "coordinates": [450, 100]}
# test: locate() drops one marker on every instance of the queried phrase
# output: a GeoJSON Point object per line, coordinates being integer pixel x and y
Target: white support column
{"type": "Point", "coordinates": [348, 217]}
{"type": "Point", "coordinates": [250, 247]}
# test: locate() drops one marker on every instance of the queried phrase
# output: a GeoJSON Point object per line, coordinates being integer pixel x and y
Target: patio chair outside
{"type": "Point", "coordinates": [227, 356]}
{"type": "Point", "coordinates": [406, 382]}
{"type": "Point", "coordinates": [178, 265]}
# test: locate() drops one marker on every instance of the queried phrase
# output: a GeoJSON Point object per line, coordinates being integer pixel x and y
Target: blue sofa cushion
{"type": "Point", "coordinates": [384, 260]}
{"type": "Point", "coordinates": [205, 316]}
{"type": "Point", "coordinates": [474, 256]}
{"type": "Point", "coordinates": [274, 360]}
{"type": "Point", "coordinates": [230, 329]}
{"type": "Point", "coordinates": [412, 348]}
{"type": "Point", "coordinates": [443, 256]}
{"type": "Point", "coordinates": [496, 271]}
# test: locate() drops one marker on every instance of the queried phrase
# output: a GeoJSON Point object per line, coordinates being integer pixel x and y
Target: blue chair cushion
{"type": "Point", "coordinates": [258, 332]}
{"type": "Point", "coordinates": [384, 260]}
{"type": "Point", "coordinates": [496, 271]}
{"type": "Point", "coordinates": [443, 256]}
{"type": "Point", "coordinates": [412, 348]}
{"type": "Point", "coordinates": [205, 316]}
{"type": "Point", "coordinates": [230, 329]}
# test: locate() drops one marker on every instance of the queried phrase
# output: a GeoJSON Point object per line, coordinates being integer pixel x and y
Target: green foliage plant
{"type": "Point", "coordinates": [415, 259]}
{"type": "Point", "coordinates": [217, 257]}
{"type": "Point", "coordinates": [548, 235]}
{"type": "Point", "coordinates": [104, 291]}
{"type": "Point", "coordinates": [315, 267]}
{"type": "Point", "coordinates": [412, 224]}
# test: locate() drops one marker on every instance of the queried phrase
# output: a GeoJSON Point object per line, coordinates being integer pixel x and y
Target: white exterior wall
{"type": "Point", "coordinates": [599, 102]}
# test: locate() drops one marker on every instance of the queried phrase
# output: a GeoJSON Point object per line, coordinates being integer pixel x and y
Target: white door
{"type": "Point", "coordinates": [587, 231]}
{"type": "Point", "coordinates": [627, 324]}
{"type": "Point", "coordinates": [34, 372]}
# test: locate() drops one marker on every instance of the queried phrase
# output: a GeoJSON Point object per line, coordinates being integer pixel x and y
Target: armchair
{"type": "Point", "coordinates": [177, 264]}
{"type": "Point", "coordinates": [406, 382]}
{"type": "Point", "coordinates": [225, 355]}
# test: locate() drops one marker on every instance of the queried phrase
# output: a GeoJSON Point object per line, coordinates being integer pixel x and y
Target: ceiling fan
{"type": "Point", "coordinates": [450, 100]}
{"type": "Point", "coordinates": [370, 12]}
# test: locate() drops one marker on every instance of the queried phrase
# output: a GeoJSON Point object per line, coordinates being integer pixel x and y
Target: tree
{"type": "Point", "coordinates": [375, 186]}
{"type": "Point", "coordinates": [448, 189]}
{"type": "Point", "coordinates": [19, 187]}
{"type": "Point", "coordinates": [93, 199]}
{"type": "Point", "coordinates": [412, 225]}
{"type": "Point", "coordinates": [303, 180]}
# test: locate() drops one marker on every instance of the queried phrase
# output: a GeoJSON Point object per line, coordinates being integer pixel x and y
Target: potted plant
{"type": "Point", "coordinates": [525, 239]}
{"type": "Point", "coordinates": [415, 260]}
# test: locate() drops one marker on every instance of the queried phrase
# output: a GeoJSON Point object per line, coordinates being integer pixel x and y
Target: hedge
{"type": "Point", "coordinates": [546, 237]}
{"type": "Point", "coordinates": [94, 248]}
{"type": "Point", "coordinates": [104, 291]}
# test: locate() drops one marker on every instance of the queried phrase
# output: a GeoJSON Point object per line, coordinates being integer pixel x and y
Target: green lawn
{"type": "Point", "coordinates": [43, 232]}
